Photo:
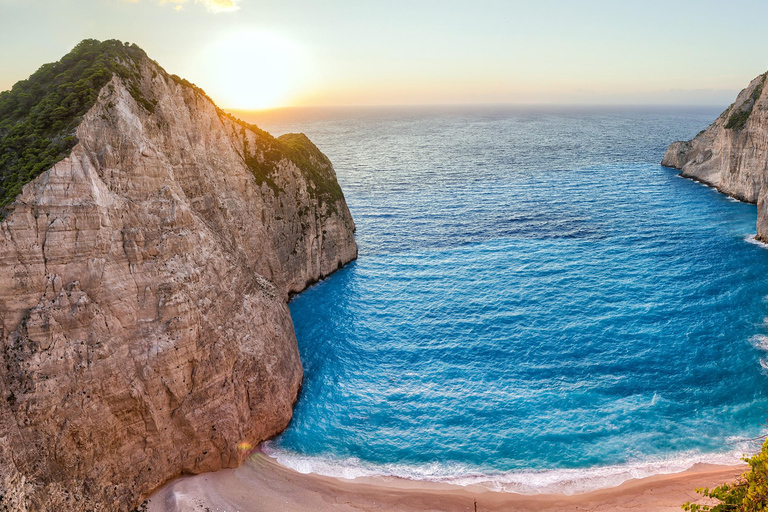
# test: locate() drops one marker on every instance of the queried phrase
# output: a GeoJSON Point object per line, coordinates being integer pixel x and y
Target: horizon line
{"type": "Point", "coordinates": [476, 105]}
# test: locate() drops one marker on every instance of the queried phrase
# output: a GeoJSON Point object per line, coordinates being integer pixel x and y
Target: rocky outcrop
{"type": "Point", "coordinates": [732, 153]}
{"type": "Point", "coordinates": [143, 289]}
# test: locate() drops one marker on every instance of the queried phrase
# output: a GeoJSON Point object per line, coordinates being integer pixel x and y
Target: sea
{"type": "Point", "coordinates": [538, 306]}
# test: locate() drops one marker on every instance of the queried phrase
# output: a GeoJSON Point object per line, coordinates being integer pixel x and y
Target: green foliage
{"type": "Point", "coordinates": [297, 148]}
{"type": "Point", "coordinates": [738, 119]}
{"type": "Point", "coordinates": [315, 166]}
{"type": "Point", "coordinates": [748, 494]}
{"type": "Point", "coordinates": [187, 83]}
{"type": "Point", "coordinates": [263, 164]}
{"type": "Point", "coordinates": [39, 116]}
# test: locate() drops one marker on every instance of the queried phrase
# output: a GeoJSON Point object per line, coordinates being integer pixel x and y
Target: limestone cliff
{"type": "Point", "coordinates": [143, 288]}
{"type": "Point", "coordinates": [732, 153]}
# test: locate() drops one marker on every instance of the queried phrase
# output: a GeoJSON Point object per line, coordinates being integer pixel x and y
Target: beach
{"type": "Point", "coordinates": [261, 485]}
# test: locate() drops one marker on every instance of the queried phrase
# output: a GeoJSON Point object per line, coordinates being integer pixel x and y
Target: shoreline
{"type": "Point", "coordinates": [263, 484]}
{"type": "Point", "coordinates": [561, 481]}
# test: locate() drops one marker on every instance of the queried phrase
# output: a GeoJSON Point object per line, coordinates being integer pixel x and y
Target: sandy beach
{"type": "Point", "coordinates": [263, 485]}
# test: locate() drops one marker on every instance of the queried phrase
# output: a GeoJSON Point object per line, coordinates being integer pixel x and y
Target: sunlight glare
{"type": "Point", "coordinates": [253, 70]}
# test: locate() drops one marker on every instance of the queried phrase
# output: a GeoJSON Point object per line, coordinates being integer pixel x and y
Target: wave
{"type": "Point", "coordinates": [759, 341]}
{"type": "Point", "coordinates": [554, 481]}
{"type": "Point", "coordinates": [752, 239]}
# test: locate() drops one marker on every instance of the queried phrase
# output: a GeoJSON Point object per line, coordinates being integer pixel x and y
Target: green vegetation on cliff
{"type": "Point", "coordinates": [748, 494]}
{"type": "Point", "coordinates": [263, 162]}
{"type": "Point", "coordinates": [739, 118]}
{"type": "Point", "coordinates": [315, 165]}
{"type": "Point", "coordinates": [39, 116]}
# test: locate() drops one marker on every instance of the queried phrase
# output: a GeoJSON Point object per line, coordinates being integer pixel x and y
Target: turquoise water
{"type": "Point", "coordinates": [537, 305]}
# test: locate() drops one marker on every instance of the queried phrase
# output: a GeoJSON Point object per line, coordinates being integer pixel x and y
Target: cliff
{"type": "Point", "coordinates": [731, 154]}
{"type": "Point", "coordinates": [143, 280]}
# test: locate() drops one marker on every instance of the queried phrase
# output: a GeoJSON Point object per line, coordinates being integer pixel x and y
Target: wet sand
{"type": "Point", "coordinates": [262, 485]}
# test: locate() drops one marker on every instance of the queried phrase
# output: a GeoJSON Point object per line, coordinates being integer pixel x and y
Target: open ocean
{"type": "Point", "coordinates": [538, 305]}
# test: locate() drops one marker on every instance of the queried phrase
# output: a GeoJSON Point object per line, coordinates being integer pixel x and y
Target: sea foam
{"type": "Point", "coordinates": [752, 239]}
{"type": "Point", "coordinates": [553, 481]}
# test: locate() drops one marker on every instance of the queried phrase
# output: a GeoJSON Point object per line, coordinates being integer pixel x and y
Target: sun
{"type": "Point", "coordinates": [253, 70]}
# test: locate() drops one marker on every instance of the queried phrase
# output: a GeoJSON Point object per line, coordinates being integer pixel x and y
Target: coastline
{"type": "Point", "coordinates": [262, 484]}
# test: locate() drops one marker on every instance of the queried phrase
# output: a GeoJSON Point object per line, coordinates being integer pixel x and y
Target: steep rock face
{"type": "Point", "coordinates": [143, 288]}
{"type": "Point", "coordinates": [732, 153]}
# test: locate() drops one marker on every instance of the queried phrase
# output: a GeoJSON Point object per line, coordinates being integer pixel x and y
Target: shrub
{"type": "Point", "coordinates": [748, 494]}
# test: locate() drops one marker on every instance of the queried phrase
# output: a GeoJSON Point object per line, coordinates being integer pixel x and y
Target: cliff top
{"type": "Point", "coordinates": [39, 117]}
{"type": "Point", "coordinates": [741, 109]}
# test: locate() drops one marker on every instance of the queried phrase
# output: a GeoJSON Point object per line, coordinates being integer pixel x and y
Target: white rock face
{"type": "Point", "coordinates": [143, 288]}
{"type": "Point", "coordinates": [732, 153]}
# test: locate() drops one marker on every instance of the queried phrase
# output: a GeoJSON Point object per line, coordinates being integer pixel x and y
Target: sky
{"type": "Point", "coordinates": [252, 54]}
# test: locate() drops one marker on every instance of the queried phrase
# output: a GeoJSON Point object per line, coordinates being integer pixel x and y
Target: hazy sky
{"type": "Point", "coordinates": [258, 53]}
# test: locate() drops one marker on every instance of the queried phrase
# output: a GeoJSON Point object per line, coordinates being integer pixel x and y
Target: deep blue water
{"type": "Point", "coordinates": [537, 303]}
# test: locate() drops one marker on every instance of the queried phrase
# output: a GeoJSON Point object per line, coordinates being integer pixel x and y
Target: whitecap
{"type": "Point", "coordinates": [759, 341]}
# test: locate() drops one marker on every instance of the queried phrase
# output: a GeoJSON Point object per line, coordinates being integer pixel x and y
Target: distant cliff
{"type": "Point", "coordinates": [149, 244]}
{"type": "Point", "coordinates": [732, 153]}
